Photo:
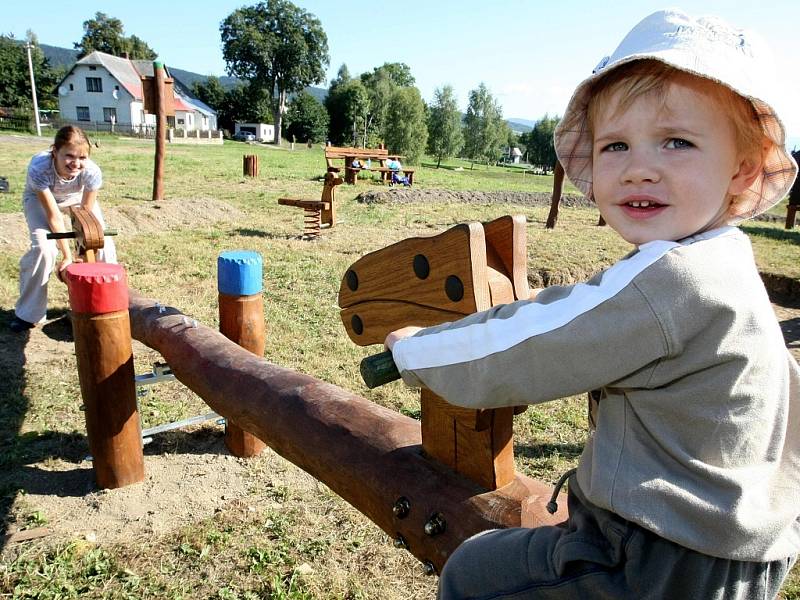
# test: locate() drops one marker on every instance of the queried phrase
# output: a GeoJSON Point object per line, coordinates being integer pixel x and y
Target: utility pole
{"type": "Point", "coordinates": [29, 45]}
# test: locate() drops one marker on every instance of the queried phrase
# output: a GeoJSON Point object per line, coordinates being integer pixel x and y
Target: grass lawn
{"type": "Point", "coordinates": [283, 536]}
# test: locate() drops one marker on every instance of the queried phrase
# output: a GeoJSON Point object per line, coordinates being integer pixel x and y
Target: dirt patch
{"type": "Point", "coordinates": [132, 219]}
{"type": "Point", "coordinates": [411, 195]}
{"type": "Point", "coordinates": [189, 476]}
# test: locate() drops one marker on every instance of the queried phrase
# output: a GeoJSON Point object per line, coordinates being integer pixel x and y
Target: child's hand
{"type": "Point", "coordinates": [399, 334]}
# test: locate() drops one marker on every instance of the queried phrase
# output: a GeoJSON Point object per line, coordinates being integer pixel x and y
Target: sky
{"type": "Point", "coordinates": [530, 54]}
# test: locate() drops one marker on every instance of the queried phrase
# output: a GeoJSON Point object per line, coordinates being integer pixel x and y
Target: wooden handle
{"type": "Point", "coordinates": [379, 369]}
{"type": "Point", "coordinates": [63, 235]}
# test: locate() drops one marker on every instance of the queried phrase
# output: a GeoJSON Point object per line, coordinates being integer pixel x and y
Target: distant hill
{"type": "Point", "coordinates": [522, 122]}
{"type": "Point", "coordinates": [59, 57]}
{"type": "Point", "coordinates": [520, 125]}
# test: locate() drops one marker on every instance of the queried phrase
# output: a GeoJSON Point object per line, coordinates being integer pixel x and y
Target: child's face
{"type": "Point", "coordinates": [70, 159]}
{"type": "Point", "coordinates": [664, 170]}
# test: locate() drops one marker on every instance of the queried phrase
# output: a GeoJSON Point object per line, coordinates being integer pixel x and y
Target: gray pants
{"type": "Point", "coordinates": [39, 261]}
{"type": "Point", "coordinates": [598, 555]}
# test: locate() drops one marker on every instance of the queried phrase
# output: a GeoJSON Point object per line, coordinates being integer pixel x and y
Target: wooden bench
{"type": "Point", "coordinates": [385, 173]}
{"type": "Point", "coordinates": [318, 212]}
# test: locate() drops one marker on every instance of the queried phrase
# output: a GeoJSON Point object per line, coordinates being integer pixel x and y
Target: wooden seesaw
{"type": "Point", "coordinates": [375, 458]}
{"type": "Point", "coordinates": [87, 233]}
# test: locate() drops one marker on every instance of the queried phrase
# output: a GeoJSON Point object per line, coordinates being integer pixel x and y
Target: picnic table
{"type": "Point", "coordinates": [350, 154]}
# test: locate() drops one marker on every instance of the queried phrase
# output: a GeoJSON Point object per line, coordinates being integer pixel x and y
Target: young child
{"type": "Point", "coordinates": [686, 489]}
{"type": "Point", "coordinates": [57, 179]}
{"type": "Point", "coordinates": [398, 177]}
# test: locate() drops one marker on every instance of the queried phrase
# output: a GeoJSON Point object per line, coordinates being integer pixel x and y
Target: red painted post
{"type": "Point", "coordinates": [241, 320]}
{"type": "Point", "coordinates": [98, 297]}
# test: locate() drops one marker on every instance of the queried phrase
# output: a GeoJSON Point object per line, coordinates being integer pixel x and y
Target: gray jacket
{"type": "Point", "coordinates": [698, 432]}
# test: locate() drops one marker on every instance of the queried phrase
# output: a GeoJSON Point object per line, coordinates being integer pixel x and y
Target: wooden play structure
{"type": "Point", "coordinates": [158, 99]}
{"type": "Point", "coordinates": [429, 485]}
{"type": "Point", "coordinates": [318, 212]}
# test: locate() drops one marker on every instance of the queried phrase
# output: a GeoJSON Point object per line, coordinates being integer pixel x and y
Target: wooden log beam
{"type": "Point", "coordinates": [371, 456]}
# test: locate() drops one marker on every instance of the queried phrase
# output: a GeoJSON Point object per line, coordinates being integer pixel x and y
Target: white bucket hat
{"type": "Point", "coordinates": [707, 47]}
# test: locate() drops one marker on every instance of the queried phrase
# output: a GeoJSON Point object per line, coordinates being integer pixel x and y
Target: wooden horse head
{"type": "Point", "coordinates": [427, 281]}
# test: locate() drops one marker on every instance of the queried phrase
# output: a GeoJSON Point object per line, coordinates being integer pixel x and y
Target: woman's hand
{"type": "Point", "coordinates": [61, 268]}
{"type": "Point", "coordinates": [399, 334]}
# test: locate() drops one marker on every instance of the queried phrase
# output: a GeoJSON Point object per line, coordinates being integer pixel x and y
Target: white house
{"type": "Point", "coordinates": [264, 132]}
{"type": "Point", "coordinates": [102, 88]}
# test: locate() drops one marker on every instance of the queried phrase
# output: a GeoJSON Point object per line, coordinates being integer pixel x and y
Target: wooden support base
{"type": "Point", "coordinates": [370, 455]}
{"type": "Point", "coordinates": [105, 370]}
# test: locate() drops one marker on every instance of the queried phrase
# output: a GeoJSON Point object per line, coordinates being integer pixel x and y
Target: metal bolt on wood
{"type": "Point", "coordinates": [435, 525]}
{"type": "Point", "coordinates": [401, 508]}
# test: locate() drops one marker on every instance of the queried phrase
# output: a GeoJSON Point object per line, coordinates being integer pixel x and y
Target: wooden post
{"type": "Point", "coordinates": [241, 320]}
{"type": "Point", "coordinates": [250, 165]}
{"type": "Point", "coordinates": [161, 130]}
{"type": "Point", "coordinates": [558, 182]}
{"type": "Point", "coordinates": [791, 211]}
{"type": "Point", "coordinates": [98, 297]}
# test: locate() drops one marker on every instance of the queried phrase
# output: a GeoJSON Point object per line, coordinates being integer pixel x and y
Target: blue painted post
{"type": "Point", "coordinates": [241, 320]}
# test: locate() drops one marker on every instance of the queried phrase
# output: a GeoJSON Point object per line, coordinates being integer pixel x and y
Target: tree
{"type": "Point", "coordinates": [355, 104]}
{"type": "Point", "coordinates": [308, 119]}
{"type": "Point", "coordinates": [334, 104]}
{"type": "Point", "coordinates": [15, 82]}
{"type": "Point", "coordinates": [210, 92]}
{"type": "Point", "coordinates": [398, 73]}
{"type": "Point", "coordinates": [277, 47]}
{"type": "Point", "coordinates": [406, 124]}
{"type": "Point", "coordinates": [106, 34]}
{"type": "Point", "coordinates": [445, 138]}
{"type": "Point", "coordinates": [139, 50]}
{"type": "Point", "coordinates": [243, 103]}
{"type": "Point", "coordinates": [483, 126]}
{"type": "Point", "coordinates": [539, 142]}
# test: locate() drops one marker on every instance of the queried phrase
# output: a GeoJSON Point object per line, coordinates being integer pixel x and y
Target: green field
{"type": "Point", "coordinates": [282, 535]}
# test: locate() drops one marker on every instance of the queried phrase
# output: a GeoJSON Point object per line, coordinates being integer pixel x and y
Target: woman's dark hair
{"type": "Point", "coordinates": [69, 135]}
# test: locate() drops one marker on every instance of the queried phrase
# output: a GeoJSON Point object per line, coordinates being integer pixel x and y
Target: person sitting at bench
{"type": "Point", "coordinates": [397, 175]}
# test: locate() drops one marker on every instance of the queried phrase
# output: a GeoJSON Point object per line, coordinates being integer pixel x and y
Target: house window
{"type": "Point", "coordinates": [71, 87]}
{"type": "Point", "coordinates": [94, 84]}
{"type": "Point", "coordinates": [93, 68]}
{"type": "Point", "coordinates": [83, 113]}
{"type": "Point", "coordinates": [180, 121]}
{"type": "Point", "coordinates": [109, 115]}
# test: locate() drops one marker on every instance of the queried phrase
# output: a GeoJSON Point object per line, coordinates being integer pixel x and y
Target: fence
{"type": "Point", "coordinates": [17, 123]}
{"type": "Point", "coordinates": [24, 123]}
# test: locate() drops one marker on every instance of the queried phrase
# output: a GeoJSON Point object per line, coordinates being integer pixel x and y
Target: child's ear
{"type": "Point", "coordinates": [750, 167]}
